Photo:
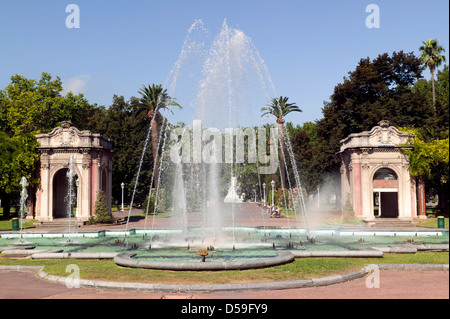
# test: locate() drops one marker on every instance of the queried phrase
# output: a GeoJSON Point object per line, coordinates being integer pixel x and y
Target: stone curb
{"type": "Point", "coordinates": [412, 248]}
{"type": "Point", "coordinates": [59, 255]}
{"type": "Point", "coordinates": [274, 285]}
{"type": "Point", "coordinates": [20, 268]}
{"type": "Point", "coordinates": [30, 251]}
{"type": "Point", "coordinates": [424, 267]}
{"type": "Point", "coordinates": [338, 253]}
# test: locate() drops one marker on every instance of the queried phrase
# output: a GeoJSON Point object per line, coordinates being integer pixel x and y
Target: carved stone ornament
{"type": "Point", "coordinates": [66, 138]}
{"type": "Point", "coordinates": [66, 124]}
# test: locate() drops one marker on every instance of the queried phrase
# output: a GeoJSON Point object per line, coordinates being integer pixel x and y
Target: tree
{"type": "Point", "coordinates": [101, 211]}
{"type": "Point", "coordinates": [432, 58]}
{"type": "Point", "coordinates": [377, 89]}
{"type": "Point", "coordinates": [17, 158]}
{"type": "Point", "coordinates": [429, 160]}
{"type": "Point", "coordinates": [279, 107]}
{"type": "Point", "coordinates": [31, 106]}
{"type": "Point", "coordinates": [154, 99]}
{"type": "Point", "coordinates": [125, 124]}
{"type": "Point", "coordinates": [436, 127]}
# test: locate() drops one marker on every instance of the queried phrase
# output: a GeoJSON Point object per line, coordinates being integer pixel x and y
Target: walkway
{"type": "Point", "coordinates": [393, 285]}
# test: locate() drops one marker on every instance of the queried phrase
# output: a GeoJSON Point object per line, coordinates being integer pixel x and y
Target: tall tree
{"type": "Point", "coordinates": [377, 89]}
{"type": "Point", "coordinates": [155, 98]}
{"type": "Point", "coordinates": [125, 124]}
{"type": "Point", "coordinates": [429, 161]}
{"type": "Point", "coordinates": [436, 126]}
{"type": "Point", "coordinates": [279, 107]}
{"type": "Point", "coordinates": [432, 58]}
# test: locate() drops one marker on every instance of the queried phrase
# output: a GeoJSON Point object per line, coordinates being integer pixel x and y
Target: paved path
{"type": "Point", "coordinates": [245, 215]}
{"type": "Point", "coordinates": [393, 285]}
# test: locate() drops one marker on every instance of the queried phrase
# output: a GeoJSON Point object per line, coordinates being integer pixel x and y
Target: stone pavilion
{"type": "Point", "coordinates": [375, 176]}
{"type": "Point", "coordinates": [92, 163]}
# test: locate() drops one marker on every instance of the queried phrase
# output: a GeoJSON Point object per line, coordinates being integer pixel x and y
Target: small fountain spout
{"type": "Point", "coordinates": [203, 252]}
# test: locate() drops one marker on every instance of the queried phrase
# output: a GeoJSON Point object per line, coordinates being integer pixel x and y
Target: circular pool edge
{"type": "Point", "coordinates": [126, 260]}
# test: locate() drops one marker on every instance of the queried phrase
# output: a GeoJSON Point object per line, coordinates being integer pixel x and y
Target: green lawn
{"type": "Point", "coordinates": [7, 224]}
{"type": "Point", "coordinates": [301, 268]}
{"type": "Point", "coordinates": [432, 222]}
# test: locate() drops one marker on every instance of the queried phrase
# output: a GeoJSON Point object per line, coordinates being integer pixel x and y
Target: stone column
{"type": "Point", "coordinates": [421, 201]}
{"type": "Point", "coordinates": [367, 192]}
{"type": "Point", "coordinates": [94, 186]}
{"type": "Point", "coordinates": [85, 187]}
{"type": "Point", "coordinates": [44, 213]}
{"type": "Point", "coordinates": [357, 189]}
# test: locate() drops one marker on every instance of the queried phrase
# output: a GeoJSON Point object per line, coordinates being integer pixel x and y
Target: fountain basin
{"type": "Point", "coordinates": [127, 260]}
{"type": "Point", "coordinates": [252, 247]}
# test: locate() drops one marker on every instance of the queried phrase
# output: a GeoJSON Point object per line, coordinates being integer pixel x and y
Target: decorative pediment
{"type": "Point", "coordinates": [65, 135]}
{"type": "Point", "coordinates": [68, 136]}
{"type": "Point", "coordinates": [383, 135]}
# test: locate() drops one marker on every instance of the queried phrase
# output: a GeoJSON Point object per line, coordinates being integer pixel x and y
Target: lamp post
{"type": "Point", "coordinates": [273, 193]}
{"type": "Point", "coordinates": [264, 194]}
{"type": "Point", "coordinates": [318, 196]}
{"type": "Point", "coordinates": [76, 184]}
{"type": "Point", "coordinates": [122, 185]}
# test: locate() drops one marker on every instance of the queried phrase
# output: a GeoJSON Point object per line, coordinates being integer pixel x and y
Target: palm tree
{"type": "Point", "coordinates": [431, 57]}
{"type": "Point", "coordinates": [279, 107]}
{"type": "Point", "coordinates": [154, 99]}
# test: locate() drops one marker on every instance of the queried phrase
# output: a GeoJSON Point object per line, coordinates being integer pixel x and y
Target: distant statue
{"type": "Point", "coordinates": [232, 196]}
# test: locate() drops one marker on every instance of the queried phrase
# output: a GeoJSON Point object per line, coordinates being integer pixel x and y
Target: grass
{"type": "Point", "coordinates": [158, 215]}
{"type": "Point", "coordinates": [302, 268]}
{"type": "Point", "coordinates": [7, 224]}
{"type": "Point", "coordinates": [432, 222]}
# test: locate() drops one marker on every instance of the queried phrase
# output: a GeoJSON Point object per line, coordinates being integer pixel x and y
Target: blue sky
{"type": "Point", "coordinates": [308, 46]}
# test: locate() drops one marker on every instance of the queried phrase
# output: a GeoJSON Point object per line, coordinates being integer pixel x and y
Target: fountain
{"type": "Point", "coordinates": [70, 197]}
{"type": "Point", "coordinates": [233, 82]}
{"type": "Point", "coordinates": [23, 201]}
{"type": "Point", "coordinates": [23, 210]}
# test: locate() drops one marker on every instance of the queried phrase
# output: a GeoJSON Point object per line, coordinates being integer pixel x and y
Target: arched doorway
{"type": "Point", "coordinates": [60, 198]}
{"type": "Point", "coordinates": [385, 193]}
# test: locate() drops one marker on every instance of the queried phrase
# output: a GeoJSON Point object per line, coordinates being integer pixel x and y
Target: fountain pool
{"type": "Point", "coordinates": [158, 247]}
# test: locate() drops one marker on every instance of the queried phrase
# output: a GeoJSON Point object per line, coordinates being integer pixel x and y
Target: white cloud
{"type": "Point", "coordinates": [76, 84]}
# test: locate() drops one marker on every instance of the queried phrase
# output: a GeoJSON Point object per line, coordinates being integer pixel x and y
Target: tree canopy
{"type": "Point", "coordinates": [430, 160]}
{"type": "Point", "coordinates": [377, 89]}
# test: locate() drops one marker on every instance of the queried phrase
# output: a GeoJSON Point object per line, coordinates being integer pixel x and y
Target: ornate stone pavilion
{"type": "Point", "coordinates": [375, 176]}
{"type": "Point", "coordinates": [92, 162]}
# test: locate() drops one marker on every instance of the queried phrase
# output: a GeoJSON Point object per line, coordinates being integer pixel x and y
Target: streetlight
{"type": "Point", "coordinates": [76, 184]}
{"type": "Point", "coordinates": [273, 192]}
{"type": "Point", "coordinates": [318, 196]}
{"type": "Point", "coordinates": [122, 185]}
{"type": "Point", "coordinates": [264, 194]}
